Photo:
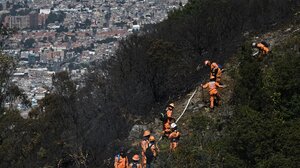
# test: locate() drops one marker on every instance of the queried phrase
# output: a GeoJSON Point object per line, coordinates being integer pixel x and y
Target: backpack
{"type": "Point", "coordinates": [134, 165]}
{"type": "Point", "coordinates": [149, 154]}
{"type": "Point", "coordinates": [162, 117]}
{"type": "Point", "coordinates": [119, 157]}
{"type": "Point", "coordinates": [265, 44]}
{"type": "Point", "coordinates": [214, 72]}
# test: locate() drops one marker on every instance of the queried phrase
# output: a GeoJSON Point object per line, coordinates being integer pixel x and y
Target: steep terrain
{"type": "Point", "coordinates": [253, 136]}
{"type": "Point", "coordinates": [82, 127]}
{"type": "Point", "coordinates": [213, 124]}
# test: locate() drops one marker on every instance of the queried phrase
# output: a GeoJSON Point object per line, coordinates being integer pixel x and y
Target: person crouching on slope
{"type": "Point", "coordinates": [213, 92]}
{"type": "Point", "coordinates": [263, 48]}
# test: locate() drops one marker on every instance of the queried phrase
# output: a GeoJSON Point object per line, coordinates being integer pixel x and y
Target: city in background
{"type": "Point", "coordinates": [66, 35]}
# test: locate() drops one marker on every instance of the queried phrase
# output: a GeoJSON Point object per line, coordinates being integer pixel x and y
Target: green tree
{"type": "Point", "coordinates": [7, 66]}
{"type": "Point", "coordinates": [29, 43]}
{"type": "Point", "coordinates": [266, 120]}
{"type": "Point", "coordinates": [56, 17]}
{"type": "Point", "coordinates": [87, 23]}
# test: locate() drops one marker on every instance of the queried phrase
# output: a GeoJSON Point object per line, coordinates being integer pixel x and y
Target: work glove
{"type": "Point", "coordinates": [224, 86]}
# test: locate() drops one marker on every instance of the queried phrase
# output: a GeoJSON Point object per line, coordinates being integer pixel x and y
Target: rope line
{"type": "Point", "coordinates": [183, 110]}
{"type": "Point", "coordinates": [186, 105]}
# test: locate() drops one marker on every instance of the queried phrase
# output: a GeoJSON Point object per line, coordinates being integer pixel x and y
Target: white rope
{"type": "Point", "coordinates": [187, 105]}
{"type": "Point", "coordinates": [160, 138]}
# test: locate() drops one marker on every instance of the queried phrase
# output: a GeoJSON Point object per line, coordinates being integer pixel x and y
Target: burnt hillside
{"type": "Point", "coordinates": [258, 122]}
{"type": "Point", "coordinates": [81, 128]}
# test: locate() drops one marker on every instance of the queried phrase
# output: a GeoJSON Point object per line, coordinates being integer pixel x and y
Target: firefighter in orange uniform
{"type": "Point", "coordinates": [168, 119]}
{"type": "Point", "coordinates": [213, 92]}
{"type": "Point", "coordinates": [215, 71]}
{"type": "Point", "coordinates": [144, 146]}
{"type": "Point", "coordinates": [263, 48]}
{"type": "Point", "coordinates": [121, 160]}
{"type": "Point", "coordinates": [151, 152]}
{"type": "Point", "coordinates": [174, 137]}
{"type": "Point", "coordinates": [135, 163]}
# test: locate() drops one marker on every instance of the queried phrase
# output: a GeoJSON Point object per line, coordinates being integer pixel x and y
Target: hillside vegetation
{"type": "Point", "coordinates": [258, 125]}
{"type": "Point", "coordinates": [82, 127]}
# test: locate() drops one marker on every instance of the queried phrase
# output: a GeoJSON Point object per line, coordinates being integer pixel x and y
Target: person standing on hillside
{"type": "Point", "coordinates": [215, 71]}
{"type": "Point", "coordinates": [144, 146]}
{"type": "Point", "coordinates": [169, 110]}
{"type": "Point", "coordinates": [151, 151]}
{"type": "Point", "coordinates": [121, 160]}
{"type": "Point", "coordinates": [168, 119]}
{"type": "Point", "coordinates": [174, 137]}
{"type": "Point", "coordinates": [213, 92]}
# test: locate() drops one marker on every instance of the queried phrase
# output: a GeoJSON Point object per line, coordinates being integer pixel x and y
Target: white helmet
{"type": "Point", "coordinates": [171, 105]}
{"type": "Point", "coordinates": [173, 125]}
{"type": "Point", "coordinates": [206, 62]}
{"type": "Point", "coordinates": [253, 44]}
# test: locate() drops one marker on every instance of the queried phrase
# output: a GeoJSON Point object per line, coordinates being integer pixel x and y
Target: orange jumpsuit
{"type": "Point", "coordinates": [265, 50]}
{"type": "Point", "coordinates": [169, 112]}
{"type": "Point", "coordinates": [174, 138]}
{"type": "Point", "coordinates": [144, 146]}
{"type": "Point", "coordinates": [167, 127]}
{"type": "Point", "coordinates": [215, 72]}
{"type": "Point", "coordinates": [167, 123]}
{"type": "Point", "coordinates": [212, 85]}
{"type": "Point", "coordinates": [121, 162]}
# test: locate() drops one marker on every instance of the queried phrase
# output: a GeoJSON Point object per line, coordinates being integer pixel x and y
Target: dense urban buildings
{"type": "Point", "coordinates": [57, 35]}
